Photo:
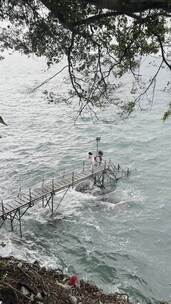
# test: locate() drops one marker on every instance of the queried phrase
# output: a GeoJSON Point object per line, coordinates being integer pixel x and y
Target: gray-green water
{"type": "Point", "coordinates": [124, 245]}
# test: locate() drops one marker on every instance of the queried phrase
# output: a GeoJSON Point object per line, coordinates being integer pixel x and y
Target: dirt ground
{"type": "Point", "coordinates": [24, 283]}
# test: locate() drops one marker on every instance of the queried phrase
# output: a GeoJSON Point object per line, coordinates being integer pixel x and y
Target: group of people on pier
{"type": "Point", "coordinates": [95, 160]}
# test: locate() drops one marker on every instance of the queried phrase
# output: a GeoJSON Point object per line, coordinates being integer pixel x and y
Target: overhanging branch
{"type": "Point", "coordinates": [132, 5]}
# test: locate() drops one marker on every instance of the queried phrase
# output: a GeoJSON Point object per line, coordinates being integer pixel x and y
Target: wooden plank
{"type": "Point", "coordinates": [41, 191]}
{"type": "Point", "coordinates": [39, 195]}
{"type": "Point", "coordinates": [21, 203]}
{"type": "Point", "coordinates": [35, 196]}
{"type": "Point", "coordinates": [26, 196]}
{"type": "Point", "coordinates": [83, 174]}
{"type": "Point", "coordinates": [24, 200]}
{"type": "Point", "coordinates": [80, 180]}
{"type": "Point", "coordinates": [47, 187]}
{"type": "Point", "coordinates": [5, 210]}
{"type": "Point", "coordinates": [64, 186]}
{"type": "Point", "coordinates": [64, 182]}
{"type": "Point", "coordinates": [12, 207]}
{"type": "Point", "coordinates": [80, 175]}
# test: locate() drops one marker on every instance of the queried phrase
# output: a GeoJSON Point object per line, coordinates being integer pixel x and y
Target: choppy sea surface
{"type": "Point", "coordinates": [122, 241]}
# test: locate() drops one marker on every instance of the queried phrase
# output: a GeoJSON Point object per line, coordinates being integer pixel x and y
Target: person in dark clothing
{"type": "Point", "coordinates": [99, 158]}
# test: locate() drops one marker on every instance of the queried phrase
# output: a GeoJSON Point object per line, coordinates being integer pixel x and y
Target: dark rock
{"type": "Point", "coordinates": [36, 263]}
{"type": "Point", "coordinates": [2, 244]}
{"type": "Point", "coordinates": [8, 296]}
{"type": "Point", "coordinates": [84, 186]}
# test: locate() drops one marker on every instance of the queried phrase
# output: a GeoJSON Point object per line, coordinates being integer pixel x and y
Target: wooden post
{"type": "Point", "coordinates": [3, 208]}
{"type": "Point", "coordinates": [19, 218]}
{"type": "Point", "coordinates": [30, 195]}
{"type": "Point", "coordinates": [52, 194]}
{"type": "Point", "coordinates": [43, 199]}
{"type": "Point", "coordinates": [11, 219]}
{"type": "Point", "coordinates": [95, 179]}
{"type": "Point", "coordinates": [43, 181]}
{"type": "Point", "coordinates": [128, 172]}
{"type": "Point", "coordinates": [53, 185]}
{"type": "Point", "coordinates": [19, 192]}
{"type": "Point", "coordinates": [109, 163]}
{"type": "Point", "coordinates": [97, 142]}
{"type": "Point", "coordinates": [103, 176]}
{"type": "Point", "coordinates": [72, 179]}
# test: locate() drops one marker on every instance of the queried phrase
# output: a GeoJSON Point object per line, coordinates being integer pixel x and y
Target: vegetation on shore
{"type": "Point", "coordinates": [25, 283]}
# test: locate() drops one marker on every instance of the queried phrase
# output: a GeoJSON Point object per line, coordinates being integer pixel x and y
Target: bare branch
{"type": "Point", "coordinates": [48, 79]}
{"type": "Point", "coordinates": [162, 50]}
{"type": "Point", "coordinates": [151, 82]}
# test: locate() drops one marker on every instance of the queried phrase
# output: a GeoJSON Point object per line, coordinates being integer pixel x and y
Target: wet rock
{"type": "Point", "coordinates": [36, 263]}
{"type": "Point", "coordinates": [8, 296]}
{"type": "Point", "coordinates": [2, 243]}
{"type": "Point", "coordinates": [39, 296]}
{"type": "Point", "coordinates": [43, 269]}
{"type": "Point", "coordinates": [73, 299]}
{"type": "Point", "coordinates": [25, 288]}
{"type": "Point", "coordinates": [19, 265]}
{"type": "Point", "coordinates": [25, 291]}
{"type": "Point", "coordinates": [84, 186]}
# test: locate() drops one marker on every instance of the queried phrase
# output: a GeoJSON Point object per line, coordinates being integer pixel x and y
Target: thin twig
{"type": "Point", "coordinates": [151, 82]}
{"type": "Point", "coordinates": [48, 79]}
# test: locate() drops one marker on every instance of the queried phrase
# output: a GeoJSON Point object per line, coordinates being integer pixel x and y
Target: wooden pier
{"type": "Point", "coordinates": [19, 205]}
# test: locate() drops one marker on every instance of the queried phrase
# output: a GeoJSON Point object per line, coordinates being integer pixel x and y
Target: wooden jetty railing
{"type": "Point", "coordinates": [18, 206]}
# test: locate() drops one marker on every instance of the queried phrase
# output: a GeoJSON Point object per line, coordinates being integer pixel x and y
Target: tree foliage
{"type": "Point", "coordinates": [100, 39]}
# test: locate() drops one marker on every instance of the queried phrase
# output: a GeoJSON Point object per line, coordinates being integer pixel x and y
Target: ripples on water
{"type": "Point", "coordinates": [120, 241]}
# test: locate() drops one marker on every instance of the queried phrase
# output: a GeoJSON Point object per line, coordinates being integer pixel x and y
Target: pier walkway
{"type": "Point", "coordinates": [19, 204]}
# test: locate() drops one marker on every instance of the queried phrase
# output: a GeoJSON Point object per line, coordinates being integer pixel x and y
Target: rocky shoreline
{"type": "Point", "coordinates": [25, 283]}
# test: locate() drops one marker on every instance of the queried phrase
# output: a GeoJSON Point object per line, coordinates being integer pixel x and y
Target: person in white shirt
{"type": "Point", "coordinates": [91, 159]}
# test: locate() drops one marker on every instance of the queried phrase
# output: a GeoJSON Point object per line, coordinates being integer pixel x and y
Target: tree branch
{"type": "Point", "coordinates": [151, 82]}
{"type": "Point", "coordinates": [132, 5]}
{"type": "Point", "coordinates": [48, 79]}
{"type": "Point", "coordinates": [162, 50]}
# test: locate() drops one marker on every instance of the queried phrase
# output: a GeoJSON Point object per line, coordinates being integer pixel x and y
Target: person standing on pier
{"type": "Point", "coordinates": [91, 159]}
{"type": "Point", "coordinates": [99, 158]}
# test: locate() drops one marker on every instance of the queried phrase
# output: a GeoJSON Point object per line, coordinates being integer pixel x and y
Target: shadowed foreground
{"type": "Point", "coordinates": [23, 283]}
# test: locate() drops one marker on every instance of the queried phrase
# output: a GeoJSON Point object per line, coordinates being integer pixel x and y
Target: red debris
{"type": "Point", "coordinates": [74, 281]}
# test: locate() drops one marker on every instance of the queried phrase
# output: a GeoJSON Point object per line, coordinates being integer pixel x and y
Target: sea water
{"type": "Point", "coordinates": [120, 241]}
